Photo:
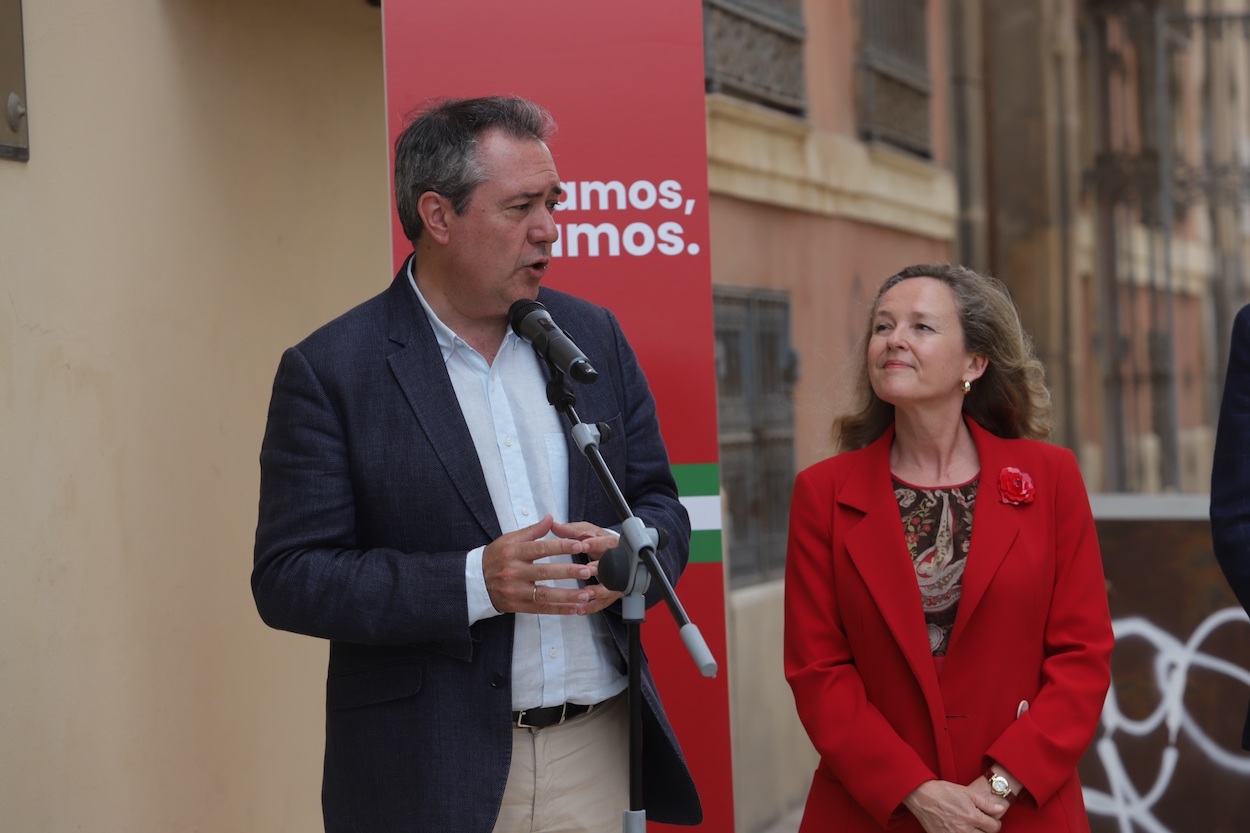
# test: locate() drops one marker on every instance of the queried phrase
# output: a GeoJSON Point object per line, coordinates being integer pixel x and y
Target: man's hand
{"type": "Point", "coordinates": [516, 583]}
{"type": "Point", "coordinates": [943, 807]}
{"type": "Point", "coordinates": [598, 541]}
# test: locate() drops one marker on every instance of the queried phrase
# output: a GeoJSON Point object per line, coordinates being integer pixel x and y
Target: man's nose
{"type": "Point", "coordinates": [545, 230]}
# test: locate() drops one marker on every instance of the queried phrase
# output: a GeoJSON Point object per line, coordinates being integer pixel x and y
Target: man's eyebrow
{"type": "Point", "coordinates": [533, 195]}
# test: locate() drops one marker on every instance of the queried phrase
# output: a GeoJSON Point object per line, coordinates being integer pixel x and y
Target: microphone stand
{"type": "Point", "coordinates": [629, 568]}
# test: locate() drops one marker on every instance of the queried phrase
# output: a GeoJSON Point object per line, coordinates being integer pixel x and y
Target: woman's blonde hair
{"type": "Point", "coordinates": [1010, 399]}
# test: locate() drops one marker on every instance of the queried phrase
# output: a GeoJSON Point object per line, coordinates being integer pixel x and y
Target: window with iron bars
{"type": "Point", "coordinates": [753, 49]}
{"type": "Point", "coordinates": [756, 369]}
{"type": "Point", "coordinates": [894, 90]}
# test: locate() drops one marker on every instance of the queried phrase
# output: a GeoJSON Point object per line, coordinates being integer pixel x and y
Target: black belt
{"type": "Point", "coordinates": [549, 715]}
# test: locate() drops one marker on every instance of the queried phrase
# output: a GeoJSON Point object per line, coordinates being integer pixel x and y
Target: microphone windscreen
{"type": "Point", "coordinates": [519, 311]}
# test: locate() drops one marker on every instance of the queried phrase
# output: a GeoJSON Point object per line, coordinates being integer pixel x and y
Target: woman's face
{"type": "Point", "coordinates": [916, 352]}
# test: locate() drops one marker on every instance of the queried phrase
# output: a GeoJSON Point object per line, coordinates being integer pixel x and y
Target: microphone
{"type": "Point", "coordinates": [531, 321]}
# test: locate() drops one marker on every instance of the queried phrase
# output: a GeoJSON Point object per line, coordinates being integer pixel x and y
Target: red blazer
{"type": "Point", "coordinates": [1032, 625]}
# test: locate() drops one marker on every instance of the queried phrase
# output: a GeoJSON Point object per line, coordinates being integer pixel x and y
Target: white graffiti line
{"type": "Point", "coordinates": [1124, 802]}
{"type": "Point", "coordinates": [1172, 663]}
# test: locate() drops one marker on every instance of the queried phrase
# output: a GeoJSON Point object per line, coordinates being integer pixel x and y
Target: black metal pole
{"type": "Point", "coordinates": [634, 538]}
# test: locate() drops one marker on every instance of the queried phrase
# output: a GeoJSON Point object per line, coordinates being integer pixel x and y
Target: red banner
{"type": "Point", "coordinates": [624, 82]}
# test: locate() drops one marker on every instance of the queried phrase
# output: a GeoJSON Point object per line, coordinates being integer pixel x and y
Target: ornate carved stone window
{"type": "Point", "coordinates": [894, 74]}
{"type": "Point", "coordinates": [753, 49]}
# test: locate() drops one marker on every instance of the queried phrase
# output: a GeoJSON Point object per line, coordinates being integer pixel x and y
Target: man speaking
{"type": "Point", "coordinates": [424, 508]}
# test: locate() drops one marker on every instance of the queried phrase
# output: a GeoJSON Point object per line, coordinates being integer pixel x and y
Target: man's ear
{"type": "Point", "coordinates": [435, 211]}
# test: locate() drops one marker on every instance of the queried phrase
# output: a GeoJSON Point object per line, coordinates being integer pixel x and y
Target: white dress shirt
{"type": "Point", "coordinates": [524, 457]}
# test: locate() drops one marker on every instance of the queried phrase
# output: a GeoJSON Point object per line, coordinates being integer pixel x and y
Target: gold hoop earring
{"type": "Point", "coordinates": [967, 387]}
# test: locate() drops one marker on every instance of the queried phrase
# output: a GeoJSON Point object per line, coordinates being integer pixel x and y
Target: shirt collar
{"type": "Point", "coordinates": [448, 341]}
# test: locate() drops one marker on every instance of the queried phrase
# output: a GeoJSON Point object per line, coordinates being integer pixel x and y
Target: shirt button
{"type": "Point", "coordinates": [552, 653]}
{"type": "Point", "coordinates": [525, 510]}
{"type": "Point", "coordinates": [508, 442]}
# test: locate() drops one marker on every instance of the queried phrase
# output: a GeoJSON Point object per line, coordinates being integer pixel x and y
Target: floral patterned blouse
{"type": "Point", "coordinates": [937, 524]}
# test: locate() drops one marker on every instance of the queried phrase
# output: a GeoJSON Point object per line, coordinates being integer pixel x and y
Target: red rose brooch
{"type": "Point", "coordinates": [1015, 487]}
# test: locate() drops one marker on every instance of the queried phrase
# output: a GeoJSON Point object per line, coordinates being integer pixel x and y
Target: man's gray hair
{"type": "Point", "coordinates": [437, 151]}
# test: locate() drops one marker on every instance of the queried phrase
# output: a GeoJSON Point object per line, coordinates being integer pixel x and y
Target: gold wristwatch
{"type": "Point", "coordinates": [999, 785]}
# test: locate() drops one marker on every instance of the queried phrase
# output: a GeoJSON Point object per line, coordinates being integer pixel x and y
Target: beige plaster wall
{"type": "Point", "coordinates": [207, 183]}
{"type": "Point", "coordinates": [773, 758]}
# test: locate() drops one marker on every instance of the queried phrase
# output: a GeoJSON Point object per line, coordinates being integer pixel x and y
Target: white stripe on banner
{"type": "Point", "coordinates": [704, 511]}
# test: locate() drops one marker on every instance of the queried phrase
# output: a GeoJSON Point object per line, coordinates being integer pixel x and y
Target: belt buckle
{"type": "Point", "coordinates": [521, 724]}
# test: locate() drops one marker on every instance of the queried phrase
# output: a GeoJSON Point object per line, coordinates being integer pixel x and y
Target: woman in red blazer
{"type": "Point", "coordinates": [947, 634]}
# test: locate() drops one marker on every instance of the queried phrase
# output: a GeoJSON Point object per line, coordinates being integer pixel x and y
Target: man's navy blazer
{"type": "Point", "coordinates": [1230, 474]}
{"type": "Point", "coordinates": [371, 494]}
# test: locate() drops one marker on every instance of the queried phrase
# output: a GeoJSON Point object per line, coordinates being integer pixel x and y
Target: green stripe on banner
{"type": "Point", "coordinates": [699, 487]}
{"type": "Point", "coordinates": [697, 479]}
{"type": "Point", "coordinates": [705, 546]}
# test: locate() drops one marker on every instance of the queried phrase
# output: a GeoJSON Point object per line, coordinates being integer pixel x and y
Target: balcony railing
{"type": "Point", "coordinates": [894, 74]}
{"type": "Point", "coordinates": [753, 49]}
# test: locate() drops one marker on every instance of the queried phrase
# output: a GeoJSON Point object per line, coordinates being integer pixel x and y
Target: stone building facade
{"type": "Point", "coordinates": [1093, 155]}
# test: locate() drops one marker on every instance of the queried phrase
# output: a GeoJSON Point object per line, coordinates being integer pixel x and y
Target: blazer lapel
{"type": "Point", "coordinates": [995, 526]}
{"type": "Point", "coordinates": [422, 375]}
{"type": "Point", "coordinates": [879, 551]}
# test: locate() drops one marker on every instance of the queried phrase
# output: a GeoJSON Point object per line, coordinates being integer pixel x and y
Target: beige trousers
{"type": "Point", "coordinates": [570, 778]}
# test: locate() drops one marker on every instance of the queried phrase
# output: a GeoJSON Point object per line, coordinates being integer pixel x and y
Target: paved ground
{"type": "Point", "coordinates": [789, 823]}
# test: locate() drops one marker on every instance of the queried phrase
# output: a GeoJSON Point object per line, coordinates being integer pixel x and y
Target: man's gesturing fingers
{"type": "Point", "coordinates": [512, 576]}
{"type": "Point", "coordinates": [597, 540]}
